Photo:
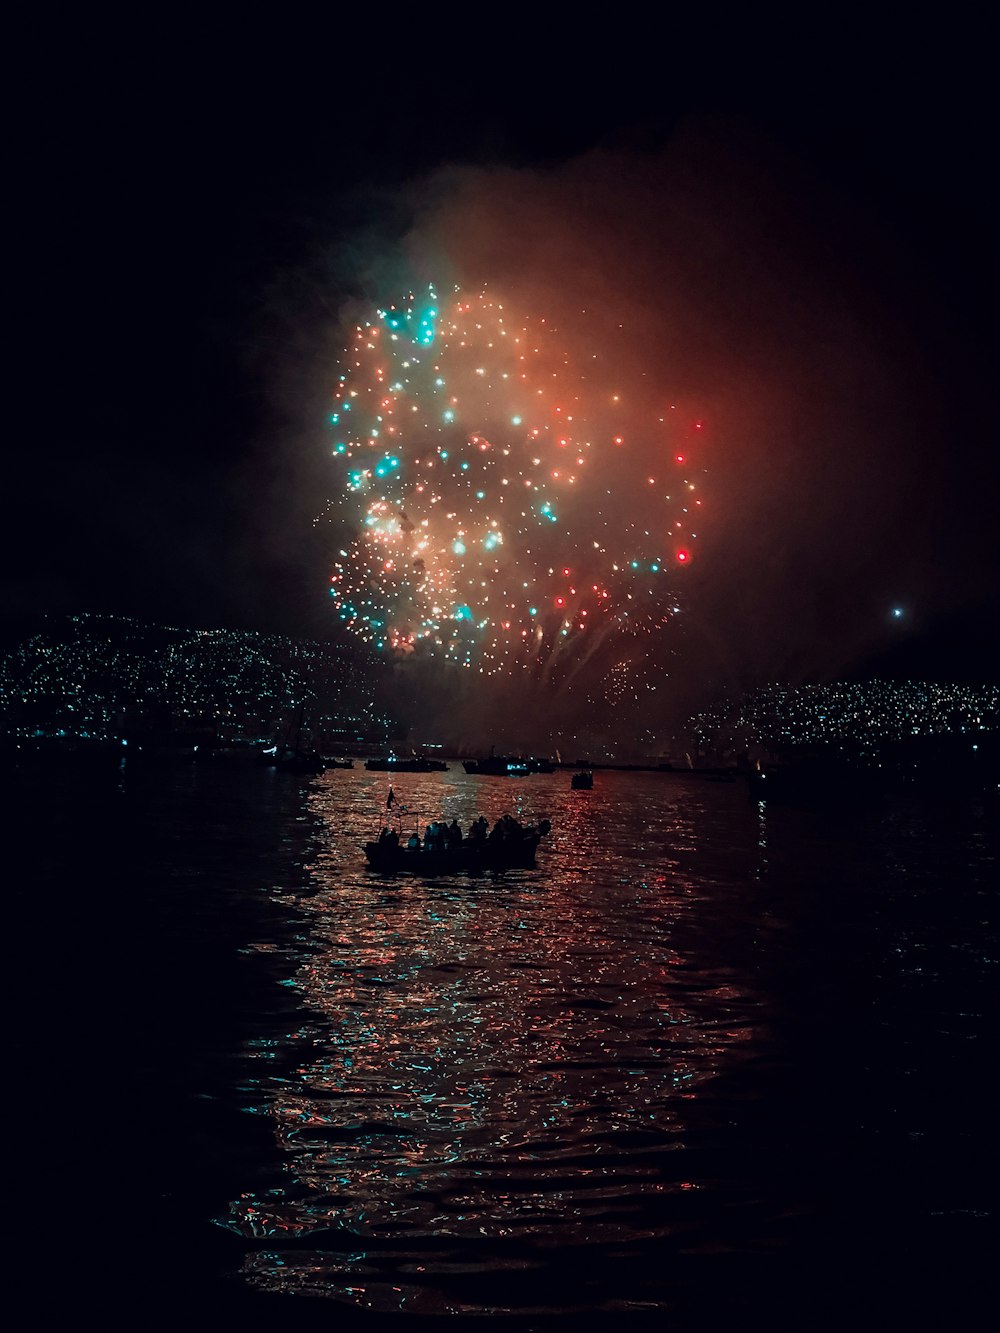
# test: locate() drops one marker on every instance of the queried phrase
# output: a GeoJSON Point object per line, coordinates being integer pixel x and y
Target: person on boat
{"type": "Point", "coordinates": [477, 830]}
{"type": "Point", "coordinates": [517, 831]}
{"type": "Point", "coordinates": [413, 843]}
{"type": "Point", "coordinates": [454, 833]}
{"type": "Point", "coordinates": [498, 833]}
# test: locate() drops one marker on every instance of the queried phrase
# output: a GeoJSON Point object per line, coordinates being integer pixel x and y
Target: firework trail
{"type": "Point", "coordinates": [514, 508]}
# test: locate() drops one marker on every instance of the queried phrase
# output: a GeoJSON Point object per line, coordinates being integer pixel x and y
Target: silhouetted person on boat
{"type": "Point", "coordinates": [477, 830]}
{"type": "Point", "coordinates": [507, 829]}
{"type": "Point", "coordinates": [454, 833]}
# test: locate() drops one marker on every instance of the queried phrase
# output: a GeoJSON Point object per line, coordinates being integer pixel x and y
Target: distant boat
{"type": "Point", "coordinates": [507, 765]}
{"type": "Point", "coordinates": [290, 756]}
{"type": "Point", "coordinates": [300, 761]}
{"type": "Point", "coordinates": [338, 763]}
{"type": "Point", "coordinates": [582, 781]}
{"type": "Point", "coordinates": [415, 764]}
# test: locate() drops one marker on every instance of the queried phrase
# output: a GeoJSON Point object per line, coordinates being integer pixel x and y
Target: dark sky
{"type": "Point", "coordinates": [801, 223]}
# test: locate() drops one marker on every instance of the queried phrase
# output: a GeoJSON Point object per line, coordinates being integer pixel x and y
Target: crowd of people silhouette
{"type": "Point", "coordinates": [440, 836]}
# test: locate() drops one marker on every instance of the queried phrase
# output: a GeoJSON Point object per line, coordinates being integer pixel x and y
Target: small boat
{"type": "Point", "coordinates": [582, 781]}
{"type": "Point", "coordinates": [416, 764]}
{"type": "Point", "coordinates": [468, 857]}
{"type": "Point", "coordinates": [338, 763]}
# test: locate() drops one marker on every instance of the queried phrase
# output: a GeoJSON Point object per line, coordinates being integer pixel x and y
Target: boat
{"type": "Point", "coordinates": [338, 763]}
{"type": "Point", "coordinates": [582, 781]}
{"type": "Point", "coordinates": [416, 764]}
{"type": "Point", "coordinates": [295, 761]}
{"type": "Point", "coordinates": [507, 765]}
{"type": "Point", "coordinates": [468, 857]}
{"type": "Point", "coordinates": [290, 755]}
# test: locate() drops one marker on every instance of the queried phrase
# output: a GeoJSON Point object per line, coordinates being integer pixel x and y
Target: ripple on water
{"type": "Point", "coordinates": [548, 1090]}
{"type": "Point", "coordinates": [500, 1071]}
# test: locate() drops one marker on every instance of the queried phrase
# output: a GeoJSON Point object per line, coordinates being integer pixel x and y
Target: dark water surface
{"type": "Point", "coordinates": [711, 1061]}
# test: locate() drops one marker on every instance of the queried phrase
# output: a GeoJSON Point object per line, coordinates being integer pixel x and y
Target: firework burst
{"type": "Point", "coordinates": [512, 509]}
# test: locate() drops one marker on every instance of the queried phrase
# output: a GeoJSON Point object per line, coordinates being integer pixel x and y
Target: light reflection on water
{"type": "Point", "coordinates": [494, 1072]}
{"type": "Point", "coordinates": [712, 1058]}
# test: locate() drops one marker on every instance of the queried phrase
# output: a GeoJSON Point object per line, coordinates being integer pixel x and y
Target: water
{"type": "Point", "coordinates": [710, 1060]}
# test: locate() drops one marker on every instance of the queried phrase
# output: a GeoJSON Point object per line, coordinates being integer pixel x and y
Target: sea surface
{"type": "Point", "coordinates": [712, 1060]}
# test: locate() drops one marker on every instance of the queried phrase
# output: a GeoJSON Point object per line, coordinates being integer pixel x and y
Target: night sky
{"type": "Point", "coordinates": [801, 235]}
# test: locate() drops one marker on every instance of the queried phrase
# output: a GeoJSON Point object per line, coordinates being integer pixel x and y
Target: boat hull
{"type": "Point", "coordinates": [406, 766]}
{"type": "Point", "coordinates": [506, 766]}
{"type": "Point", "coordinates": [468, 858]}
